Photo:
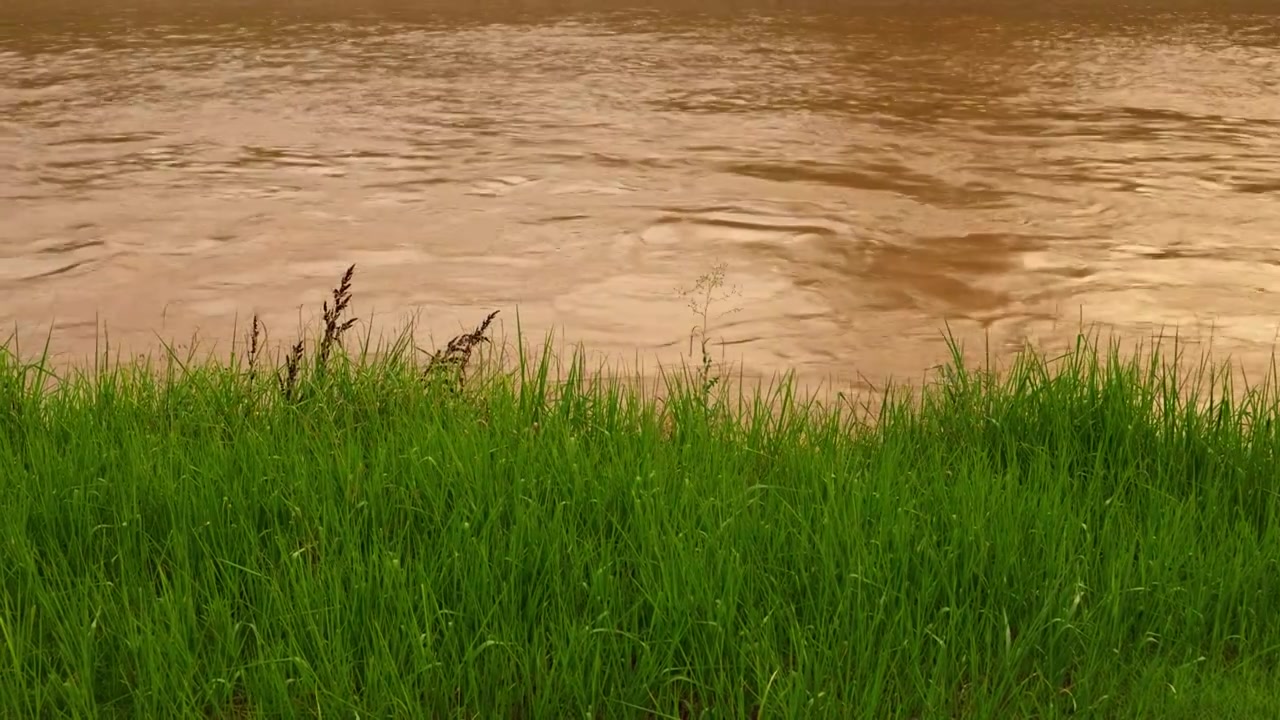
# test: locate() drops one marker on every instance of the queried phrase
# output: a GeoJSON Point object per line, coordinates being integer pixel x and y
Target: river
{"type": "Point", "coordinates": [867, 172]}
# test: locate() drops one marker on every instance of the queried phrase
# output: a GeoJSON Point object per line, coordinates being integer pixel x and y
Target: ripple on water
{"type": "Point", "coordinates": [499, 186]}
{"type": "Point", "coordinates": [35, 268]}
{"type": "Point", "coordinates": [740, 227]}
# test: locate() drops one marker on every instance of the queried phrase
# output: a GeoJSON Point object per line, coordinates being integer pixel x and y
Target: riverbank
{"type": "Point", "coordinates": [392, 538]}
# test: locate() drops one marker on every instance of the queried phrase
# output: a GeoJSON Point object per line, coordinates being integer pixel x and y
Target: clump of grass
{"type": "Point", "coordinates": [287, 377]}
{"type": "Point", "coordinates": [1093, 535]}
{"type": "Point", "coordinates": [334, 326]}
{"type": "Point", "coordinates": [254, 339]}
{"type": "Point", "coordinates": [709, 289]}
{"type": "Point", "coordinates": [450, 364]}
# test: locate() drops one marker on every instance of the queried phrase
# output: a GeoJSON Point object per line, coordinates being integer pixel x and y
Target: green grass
{"type": "Point", "coordinates": [1090, 536]}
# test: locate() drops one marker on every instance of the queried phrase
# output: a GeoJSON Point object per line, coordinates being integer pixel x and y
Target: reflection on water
{"type": "Point", "coordinates": [866, 170]}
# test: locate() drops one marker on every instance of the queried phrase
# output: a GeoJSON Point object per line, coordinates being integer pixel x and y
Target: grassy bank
{"type": "Point", "coordinates": [371, 538]}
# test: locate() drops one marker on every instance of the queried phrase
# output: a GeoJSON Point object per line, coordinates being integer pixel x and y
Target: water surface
{"type": "Point", "coordinates": [867, 171]}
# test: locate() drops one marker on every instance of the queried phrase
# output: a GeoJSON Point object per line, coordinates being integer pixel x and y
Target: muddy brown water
{"type": "Point", "coordinates": [866, 171]}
